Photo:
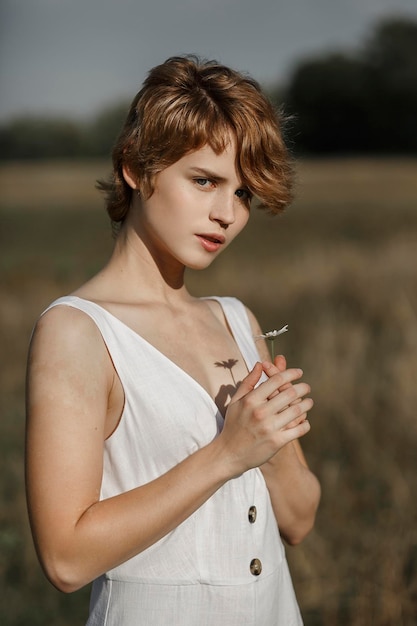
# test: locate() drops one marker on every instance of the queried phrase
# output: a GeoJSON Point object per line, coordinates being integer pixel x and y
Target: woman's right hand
{"type": "Point", "coordinates": [261, 420]}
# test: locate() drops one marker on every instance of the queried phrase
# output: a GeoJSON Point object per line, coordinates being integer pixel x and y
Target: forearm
{"type": "Point", "coordinates": [79, 537]}
{"type": "Point", "coordinates": [294, 492]}
{"type": "Point", "coordinates": [111, 531]}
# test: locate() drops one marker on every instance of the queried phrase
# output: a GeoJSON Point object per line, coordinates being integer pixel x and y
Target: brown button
{"type": "Point", "coordinates": [252, 514]}
{"type": "Point", "coordinates": [255, 567]}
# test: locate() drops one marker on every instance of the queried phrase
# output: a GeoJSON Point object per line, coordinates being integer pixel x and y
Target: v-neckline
{"type": "Point", "coordinates": [163, 356]}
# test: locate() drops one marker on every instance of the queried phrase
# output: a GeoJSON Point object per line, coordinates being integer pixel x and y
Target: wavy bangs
{"type": "Point", "coordinates": [186, 103]}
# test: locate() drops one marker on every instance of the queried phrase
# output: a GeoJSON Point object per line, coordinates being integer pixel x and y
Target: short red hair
{"type": "Point", "coordinates": [186, 103]}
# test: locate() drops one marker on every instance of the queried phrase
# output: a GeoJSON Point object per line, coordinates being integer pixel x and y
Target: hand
{"type": "Point", "coordinates": [280, 365]}
{"type": "Point", "coordinates": [261, 420]}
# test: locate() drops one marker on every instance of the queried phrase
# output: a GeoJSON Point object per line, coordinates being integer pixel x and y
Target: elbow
{"type": "Point", "coordinates": [65, 586]}
{"type": "Point", "coordinates": [63, 558]}
{"type": "Point", "coordinates": [297, 531]}
{"type": "Point", "coordinates": [64, 583]}
{"type": "Point", "coordinates": [63, 575]}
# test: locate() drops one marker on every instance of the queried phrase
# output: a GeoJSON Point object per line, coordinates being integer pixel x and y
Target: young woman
{"type": "Point", "coordinates": [143, 474]}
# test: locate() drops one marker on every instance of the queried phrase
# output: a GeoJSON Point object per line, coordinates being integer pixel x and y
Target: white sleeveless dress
{"type": "Point", "coordinates": [226, 563]}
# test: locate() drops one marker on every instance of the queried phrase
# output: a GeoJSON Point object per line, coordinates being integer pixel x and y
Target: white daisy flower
{"type": "Point", "coordinates": [271, 336]}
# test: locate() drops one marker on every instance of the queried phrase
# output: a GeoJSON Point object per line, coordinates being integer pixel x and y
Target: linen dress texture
{"type": "Point", "coordinates": [206, 571]}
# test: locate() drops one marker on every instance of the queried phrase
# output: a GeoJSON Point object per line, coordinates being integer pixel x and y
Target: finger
{"type": "Point", "coordinates": [280, 362]}
{"type": "Point", "coordinates": [248, 383]}
{"type": "Point", "coordinates": [294, 415]}
{"type": "Point", "coordinates": [295, 422]}
{"type": "Point", "coordinates": [272, 368]}
{"type": "Point", "coordinates": [289, 397]}
{"type": "Point", "coordinates": [297, 401]}
{"type": "Point", "coordinates": [291, 434]}
{"type": "Point", "coordinates": [298, 431]}
{"type": "Point", "coordinates": [307, 405]}
{"type": "Point", "coordinates": [269, 388]}
{"type": "Point", "coordinates": [279, 365]}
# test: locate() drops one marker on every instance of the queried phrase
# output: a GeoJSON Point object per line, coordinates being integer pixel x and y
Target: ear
{"type": "Point", "coordinates": [129, 178]}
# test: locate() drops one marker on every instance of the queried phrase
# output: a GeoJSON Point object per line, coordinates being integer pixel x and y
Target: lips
{"type": "Point", "coordinates": [211, 242]}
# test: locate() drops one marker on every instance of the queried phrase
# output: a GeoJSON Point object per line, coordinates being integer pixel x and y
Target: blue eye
{"type": "Point", "coordinates": [203, 182]}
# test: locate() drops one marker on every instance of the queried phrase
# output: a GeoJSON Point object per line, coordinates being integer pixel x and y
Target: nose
{"type": "Point", "coordinates": [223, 210]}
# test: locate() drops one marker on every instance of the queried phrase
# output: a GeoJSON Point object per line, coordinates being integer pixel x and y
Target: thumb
{"type": "Point", "coordinates": [249, 382]}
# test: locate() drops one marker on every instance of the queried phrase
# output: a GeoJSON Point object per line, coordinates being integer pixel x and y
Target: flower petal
{"type": "Point", "coordinates": [271, 334]}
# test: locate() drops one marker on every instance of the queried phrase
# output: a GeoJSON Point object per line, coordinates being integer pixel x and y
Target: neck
{"type": "Point", "coordinates": [136, 269]}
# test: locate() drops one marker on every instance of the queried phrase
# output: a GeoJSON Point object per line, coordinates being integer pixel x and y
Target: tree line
{"type": "Point", "coordinates": [359, 103]}
{"type": "Point", "coordinates": [363, 102]}
{"type": "Point", "coordinates": [38, 137]}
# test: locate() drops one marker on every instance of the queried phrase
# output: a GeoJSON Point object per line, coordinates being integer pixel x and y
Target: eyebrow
{"type": "Point", "coordinates": [207, 173]}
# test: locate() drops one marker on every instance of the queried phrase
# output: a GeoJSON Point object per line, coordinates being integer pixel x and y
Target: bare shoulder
{"type": "Point", "coordinates": [216, 308]}
{"type": "Point", "coordinates": [62, 325]}
{"type": "Point", "coordinates": [254, 324]}
{"type": "Point", "coordinates": [213, 305]}
{"type": "Point", "coordinates": [257, 332]}
{"type": "Point", "coordinates": [70, 379]}
{"type": "Point", "coordinates": [66, 339]}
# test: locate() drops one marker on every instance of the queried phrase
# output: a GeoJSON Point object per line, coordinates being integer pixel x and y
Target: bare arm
{"type": "Point", "coordinates": [78, 537]}
{"type": "Point", "coordinates": [70, 390]}
{"type": "Point", "coordinates": [293, 488]}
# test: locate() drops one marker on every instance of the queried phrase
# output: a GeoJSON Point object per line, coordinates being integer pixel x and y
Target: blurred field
{"type": "Point", "coordinates": [340, 267]}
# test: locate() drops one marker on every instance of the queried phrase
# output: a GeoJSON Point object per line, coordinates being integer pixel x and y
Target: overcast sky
{"type": "Point", "coordinates": [74, 57]}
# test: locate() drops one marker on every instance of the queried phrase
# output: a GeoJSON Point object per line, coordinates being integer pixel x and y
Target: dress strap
{"type": "Point", "coordinates": [237, 318]}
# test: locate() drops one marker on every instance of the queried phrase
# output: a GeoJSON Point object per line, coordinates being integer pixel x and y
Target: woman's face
{"type": "Point", "coordinates": [197, 208]}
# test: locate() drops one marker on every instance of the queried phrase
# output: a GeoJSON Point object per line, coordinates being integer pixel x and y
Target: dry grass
{"type": "Point", "coordinates": [340, 268]}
